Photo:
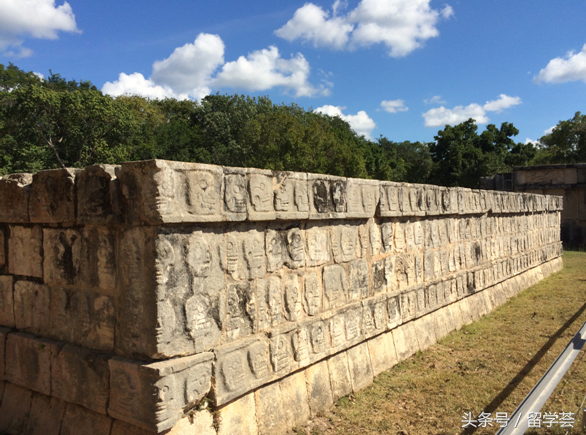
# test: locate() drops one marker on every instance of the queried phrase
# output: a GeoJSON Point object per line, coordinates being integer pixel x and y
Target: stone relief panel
{"type": "Point", "coordinates": [317, 245]}
{"type": "Point", "coordinates": [335, 286]}
{"type": "Point", "coordinates": [345, 241]}
{"type": "Point", "coordinates": [312, 294]}
{"type": "Point", "coordinates": [295, 248]}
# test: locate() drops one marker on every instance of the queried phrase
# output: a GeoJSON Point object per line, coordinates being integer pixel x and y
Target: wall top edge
{"type": "Point", "coordinates": [156, 192]}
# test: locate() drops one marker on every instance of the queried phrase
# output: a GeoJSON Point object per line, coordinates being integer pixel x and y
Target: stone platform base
{"type": "Point", "coordinates": [278, 407]}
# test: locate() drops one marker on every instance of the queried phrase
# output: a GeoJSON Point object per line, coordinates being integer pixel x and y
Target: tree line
{"type": "Point", "coordinates": [53, 122]}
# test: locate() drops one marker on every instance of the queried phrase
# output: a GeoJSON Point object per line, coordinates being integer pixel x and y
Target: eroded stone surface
{"type": "Point", "coordinates": [52, 196]}
{"type": "Point", "coordinates": [31, 307]}
{"type": "Point", "coordinates": [14, 197]}
{"type": "Point", "coordinates": [7, 301]}
{"type": "Point", "coordinates": [45, 416]}
{"type": "Point", "coordinates": [24, 251]}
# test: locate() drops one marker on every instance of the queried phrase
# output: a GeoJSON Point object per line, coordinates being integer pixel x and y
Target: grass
{"type": "Point", "coordinates": [488, 366]}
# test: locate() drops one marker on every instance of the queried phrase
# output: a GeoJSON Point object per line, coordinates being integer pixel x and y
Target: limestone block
{"type": "Point", "coordinates": [243, 366]}
{"type": "Point", "coordinates": [295, 401]}
{"type": "Point", "coordinates": [374, 315]}
{"type": "Point", "coordinates": [408, 305]}
{"type": "Point", "coordinates": [335, 286]}
{"type": "Point", "coordinates": [359, 280]}
{"type": "Point", "coordinates": [196, 422]}
{"type": "Point", "coordinates": [318, 244]}
{"type": "Point", "coordinates": [24, 251]}
{"type": "Point", "coordinates": [15, 409]}
{"type": "Point", "coordinates": [98, 259]}
{"type": "Point", "coordinates": [319, 388]}
{"type": "Point", "coordinates": [2, 248]}
{"type": "Point", "coordinates": [3, 333]}
{"type": "Point", "coordinates": [153, 396]}
{"type": "Point", "coordinates": [340, 381]}
{"type": "Point", "coordinates": [295, 249]}
{"type": "Point", "coordinates": [260, 202]}
{"type": "Point", "coordinates": [425, 332]}
{"type": "Point", "coordinates": [32, 307]}
{"type": "Point", "coordinates": [455, 316]}
{"type": "Point", "coordinates": [433, 199]}
{"type": "Point", "coordinates": [45, 415]}
{"type": "Point", "coordinates": [441, 323]}
{"type": "Point", "coordinates": [81, 376]}
{"type": "Point", "coordinates": [83, 317]}
{"type": "Point", "coordinates": [98, 200]}
{"type": "Point", "coordinates": [270, 416]}
{"type": "Point", "coordinates": [465, 309]}
{"type": "Point", "coordinates": [7, 301]}
{"type": "Point", "coordinates": [291, 195]}
{"type": "Point", "coordinates": [14, 197]}
{"type": "Point", "coordinates": [235, 194]}
{"type": "Point", "coordinates": [158, 191]}
{"type": "Point", "coordinates": [389, 199]}
{"type": "Point", "coordinates": [382, 352]}
{"type": "Point", "coordinates": [78, 420]}
{"type": "Point", "coordinates": [360, 367]}
{"type": "Point", "coordinates": [327, 196]}
{"type": "Point", "coordinates": [52, 196]}
{"type": "Point", "coordinates": [405, 339]}
{"type": "Point", "coordinates": [363, 197]}
{"type": "Point", "coordinates": [28, 361]}
{"type": "Point", "coordinates": [62, 262]}
{"type": "Point", "coordinates": [285, 353]}
{"type": "Point", "coordinates": [239, 417]}
{"type": "Point", "coordinates": [412, 200]}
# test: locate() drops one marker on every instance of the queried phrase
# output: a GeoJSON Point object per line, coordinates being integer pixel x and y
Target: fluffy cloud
{"type": "Point", "coordinates": [402, 25]}
{"type": "Point", "coordinates": [189, 73]}
{"type": "Point", "coordinates": [394, 106]}
{"type": "Point", "coordinates": [32, 18]}
{"type": "Point", "coordinates": [569, 69]}
{"type": "Point", "coordinates": [441, 116]}
{"type": "Point", "coordinates": [265, 69]}
{"type": "Point", "coordinates": [361, 123]}
{"type": "Point", "coordinates": [436, 99]}
{"type": "Point", "coordinates": [549, 130]}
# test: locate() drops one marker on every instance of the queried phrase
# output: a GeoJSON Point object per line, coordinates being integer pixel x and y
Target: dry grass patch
{"type": "Point", "coordinates": [488, 366]}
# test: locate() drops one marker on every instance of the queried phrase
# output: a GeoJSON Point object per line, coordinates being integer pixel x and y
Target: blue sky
{"type": "Point", "coordinates": [398, 68]}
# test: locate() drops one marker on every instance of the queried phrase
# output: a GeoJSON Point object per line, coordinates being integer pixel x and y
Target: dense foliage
{"type": "Point", "coordinates": [52, 122]}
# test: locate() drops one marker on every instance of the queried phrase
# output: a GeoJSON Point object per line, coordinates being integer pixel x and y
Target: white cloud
{"type": "Point", "coordinates": [265, 69]}
{"type": "Point", "coordinates": [436, 99]}
{"type": "Point", "coordinates": [503, 102]}
{"type": "Point", "coordinates": [189, 73]}
{"type": "Point", "coordinates": [32, 18]}
{"type": "Point", "coordinates": [394, 106]}
{"type": "Point", "coordinates": [569, 69]}
{"type": "Point", "coordinates": [136, 84]}
{"type": "Point", "coordinates": [441, 116]}
{"type": "Point", "coordinates": [549, 130]}
{"type": "Point", "coordinates": [189, 68]}
{"type": "Point", "coordinates": [402, 25]}
{"type": "Point", "coordinates": [361, 123]}
{"type": "Point", "coordinates": [312, 24]}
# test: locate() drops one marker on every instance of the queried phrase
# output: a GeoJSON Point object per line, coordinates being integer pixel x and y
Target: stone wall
{"type": "Point", "coordinates": [185, 298]}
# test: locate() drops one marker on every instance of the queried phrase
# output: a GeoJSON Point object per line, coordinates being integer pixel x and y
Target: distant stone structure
{"type": "Point", "coordinates": [567, 181]}
{"type": "Point", "coordinates": [166, 297]}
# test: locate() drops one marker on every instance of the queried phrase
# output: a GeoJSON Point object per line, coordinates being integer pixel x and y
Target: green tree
{"type": "Point", "coordinates": [565, 144]}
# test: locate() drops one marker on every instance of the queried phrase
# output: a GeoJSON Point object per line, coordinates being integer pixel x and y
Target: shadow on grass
{"type": "Point", "coordinates": [506, 392]}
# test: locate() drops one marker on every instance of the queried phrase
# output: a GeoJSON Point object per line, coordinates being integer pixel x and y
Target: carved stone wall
{"type": "Point", "coordinates": [135, 299]}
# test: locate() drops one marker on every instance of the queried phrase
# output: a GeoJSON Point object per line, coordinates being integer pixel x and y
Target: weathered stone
{"type": "Point", "coordinates": [239, 417]}
{"type": "Point", "coordinates": [52, 196]}
{"type": "Point", "coordinates": [440, 323]}
{"type": "Point", "coordinates": [317, 240]}
{"type": "Point", "coordinates": [98, 259]}
{"type": "Point", "coordinates": [7, 301]}
{"type": "Point", "coordinates": [196, 422]}
{"type": "Point", "coordinates": [28, 361]}
{"type": "Point", "coordinates": [363, 197]}
{"type": "Point", "coordinates": [425, 332]}
{"type": "Point", "coordinates": [235, 194]}
{"type": "Point", "coordinates": [3, 333]}
{"type": "Point", "coordinates": [98, 199]}
{"type": "Point", "coordinates": [318, 388]}
{"type": "Point", "coordinates": [339, 375]}
{"type": "Point", "coordinates": [295, 400]}
{"type": "Point", "coordinates": [15, 408]}
{"type": "Point", "coordinates": [327, 196]}
{"type": "Point", "coordinates": [153, 396]}
{"type": "Point", "coordinates": [62, 256]}
{"type": "Point", "coordinates": [291, 195]}
{"type": "Point", "coordinates": [382, 353]}
{"type": "Point", "coordinates": [45, 416]}
{"type": "Point", "coordinates": [81, 376]}
{"type": "Point", "coordinates": [270, 416]}
{"type": "Point", "coordinates": [80, 420]}
{"type": "Point", "coordinates": [360, 366]}
{"type": "Point", "coordinates": [335, 286]}
{"type": "Point", "coordinates": [24, 251]}
{"type": "Point", "coordinates": [260, 195]}
{"type": "Point", "coordinates": [31, 307]}
{"type": "Point", "coordinates": [2, 249]}
{"type": "Point", "coordinates": [14, 197]}
{"type": "Point", "coordinates": [405, 340]}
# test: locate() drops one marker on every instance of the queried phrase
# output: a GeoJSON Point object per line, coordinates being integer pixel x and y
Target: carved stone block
{"type": "Point", "coordinates": [295, 248]}
{"type": "Point", "coordinates": [63, 256]}
{"type": "Point", "coordinates": [337, 331]}
{"type": "Point", "coordinates": [153, 396]}
{"type": "Point", "coordinates": [98, 199]}
{"type": "Point", "coordinates": [389, 199]}
{"type": "Point", "coordinates": [317, 245]}
{"type": "Point", "coordinates": [335, 286]}
{"type": "Point", "coordinates": [359, 280]}
{"type": "Point", "coordinates": [387, 233]}
{"type": "Point", "coordinates": [293, 305]}
{"type": "Point", "coordinates": [82, 377]}
{"type": "Point", "coordinates": [363, 198]}
{"type": "Point", "coordinates": [327, 196]}
{"type": "Point", "coordinates": [7, 301]}
{"type": "Point", "coordinates": [291, 195]}
{"type": "Point", "coordinates": [31, 307]}
{"type": "Point", "coordinates": [240, 309]}
{"type": "Point", "coordinates": [240, 368]}
{"type": "Point", "coordinates": [24, 251]}
{"type": "Point", "coordinates": [282, 353]}
{"type": "Point", "coordinates": [344, 242]}
{"type": "Point", "coordinates": [14, 197]}
{"type": "Point", "coordinates": [376, 243]}
{"type": "Point", "coordinates": [98, 259]}
{"type": "Point", "coordinates": [312, 294]}
{"type": "Point", "coordinates": [353, 324]}
{"type": "Point", "coordinates": [52, 196]}
{"type": "Point", "coordinates": [379, 276]}
{"type": "Point", "coordinates": [275, 248]}
{"type": "Point", "coordinates": [260, 195]}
